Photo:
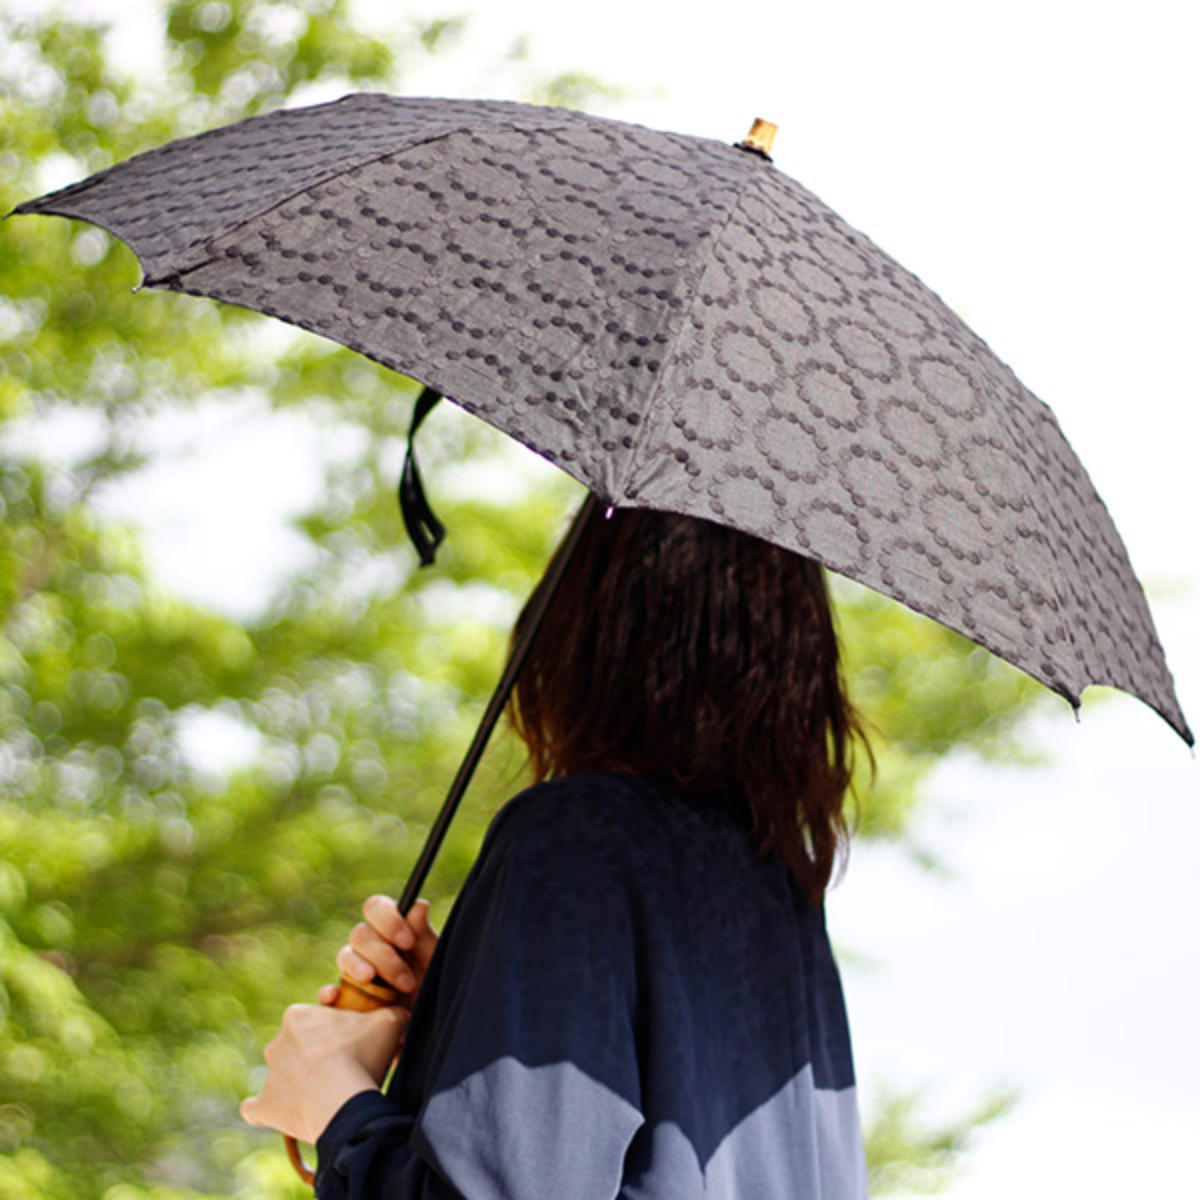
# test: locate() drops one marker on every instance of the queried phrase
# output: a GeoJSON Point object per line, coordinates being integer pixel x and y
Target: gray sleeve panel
{"type": "Point", "coordinates": [801, 1144]}
{"type": "Point", "coordinates": [512, 1132]}
{"type": "Point", "coordinates": [515, 1131]}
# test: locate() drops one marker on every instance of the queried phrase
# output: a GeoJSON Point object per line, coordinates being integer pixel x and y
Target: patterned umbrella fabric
{"type": "Point", "coordinates": [678, 325]}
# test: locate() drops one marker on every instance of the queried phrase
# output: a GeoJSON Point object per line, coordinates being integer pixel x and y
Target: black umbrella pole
{"type": "Point", "coordinates": [516, 660]}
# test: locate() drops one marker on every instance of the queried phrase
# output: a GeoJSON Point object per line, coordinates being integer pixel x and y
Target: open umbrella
{"type": "Point", "coordinates": [679, 326]}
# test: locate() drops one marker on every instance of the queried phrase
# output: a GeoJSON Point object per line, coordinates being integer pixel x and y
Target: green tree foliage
{"type": "Point", "coordinates": [155, 915]}
{"type": "Point", "coordinates": [907, 1156]}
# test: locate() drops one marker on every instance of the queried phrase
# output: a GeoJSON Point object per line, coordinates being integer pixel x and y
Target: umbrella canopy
{"type": "Point", "coordinates": [678, 325]}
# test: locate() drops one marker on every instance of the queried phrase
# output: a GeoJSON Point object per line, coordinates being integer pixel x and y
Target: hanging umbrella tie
{"type": "Point", "coordinates": [423, 526]}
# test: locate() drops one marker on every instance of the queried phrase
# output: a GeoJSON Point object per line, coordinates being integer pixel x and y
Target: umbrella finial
{"type": "Point", "coordinates": [759, 139]}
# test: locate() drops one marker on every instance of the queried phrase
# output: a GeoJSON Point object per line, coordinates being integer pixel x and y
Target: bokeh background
{"type": "Point", "coordinates": [229, 704]}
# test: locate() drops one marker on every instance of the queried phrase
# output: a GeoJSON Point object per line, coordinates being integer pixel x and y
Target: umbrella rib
{"type": "Point", "coordinates": [178, 273]}
{"type": "Point", "coordinates": [621, 485]}
{"type": "Point", "coordinates": [1039, 502]}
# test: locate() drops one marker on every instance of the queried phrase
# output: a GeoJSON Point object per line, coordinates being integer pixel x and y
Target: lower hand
{"type": "Point", "coordinates": [319, 1059]}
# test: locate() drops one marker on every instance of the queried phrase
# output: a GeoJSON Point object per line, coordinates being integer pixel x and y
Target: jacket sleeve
{"type": "Point", "coordinates": [367, 1151]}
{"type": "Point", "coordinates": [521, 1063]}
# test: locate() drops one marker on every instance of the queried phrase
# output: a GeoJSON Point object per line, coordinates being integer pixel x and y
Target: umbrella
{"type": "Point", "coordinates": [676, 324]}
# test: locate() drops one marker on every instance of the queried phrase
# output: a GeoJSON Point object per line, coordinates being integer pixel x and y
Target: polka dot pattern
{"type": "Point", "coordinates": [678, 325]}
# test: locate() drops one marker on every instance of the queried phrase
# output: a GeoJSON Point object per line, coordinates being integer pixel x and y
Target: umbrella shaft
{"type": "Point", "coordinates": [495, 706]}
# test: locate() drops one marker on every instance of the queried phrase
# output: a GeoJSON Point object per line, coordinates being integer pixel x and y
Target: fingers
{"type": "Point", "coordinates": [384, 917]}
{"type": "Point", "coordinates": [353, 965]}
{"type": "Point", "coordinates": [425, 938]}
{"type": "Point", "coordinates": [368, 954]}
{"type": "Point", "coordinates": [413, 937]}
{"type": "Point", "coordinates": [328, 995]}
{"type": "Point", "coordinates": [386, 944]}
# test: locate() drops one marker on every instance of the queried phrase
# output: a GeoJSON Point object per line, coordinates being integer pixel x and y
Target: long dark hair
{"type": "Point", "coordinates": [707, 659]}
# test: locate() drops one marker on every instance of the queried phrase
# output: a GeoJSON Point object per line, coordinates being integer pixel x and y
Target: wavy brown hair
{"type": "Point", "coordinates": [704, 658]}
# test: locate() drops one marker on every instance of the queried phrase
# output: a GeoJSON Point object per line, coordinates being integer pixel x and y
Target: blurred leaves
{"type": "Point", "coordinates": [250, 56]}
{"type": "Point", "coordinates": [923, 691]}
{"type": "Point", "coordinates": [910, 1156]}
{"type": "Point", "coordinates": [158, 909]}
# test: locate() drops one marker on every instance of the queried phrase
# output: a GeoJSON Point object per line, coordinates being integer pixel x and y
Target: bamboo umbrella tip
{"type": "Point", "coordinates": [761, 137]}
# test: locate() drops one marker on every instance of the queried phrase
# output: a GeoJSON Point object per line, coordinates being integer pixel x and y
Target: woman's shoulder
{"type": "Point", "coordinates": [615, 807]}
{"type": "Point", "coordinates": [576, 798]}
{"type": "Point", "coordinates": [576, 813]}
{"type": "Point", "coordinates": [622, 830]}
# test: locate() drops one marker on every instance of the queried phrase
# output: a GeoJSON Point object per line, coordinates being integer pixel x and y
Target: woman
{"type": "Point", "coordinates": [634, 994]}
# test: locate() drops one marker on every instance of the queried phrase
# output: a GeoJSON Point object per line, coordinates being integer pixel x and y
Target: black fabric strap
{"type": "Point", "coordinates": [423, 527]}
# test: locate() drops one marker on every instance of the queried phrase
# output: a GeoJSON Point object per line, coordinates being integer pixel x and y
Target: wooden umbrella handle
{"type": "Point", "coordinates": [360, 997]}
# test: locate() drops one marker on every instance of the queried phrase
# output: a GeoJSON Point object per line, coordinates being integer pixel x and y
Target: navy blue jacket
{"type": "Point", "coordinates": [626, 1001]}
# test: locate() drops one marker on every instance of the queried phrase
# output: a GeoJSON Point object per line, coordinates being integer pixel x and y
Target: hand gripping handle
{"type": "Point", "coordinates": [361, 997]}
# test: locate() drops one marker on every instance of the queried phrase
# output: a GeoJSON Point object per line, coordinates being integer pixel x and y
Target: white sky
{"type": "Point", "coordinates": [1035, 163]}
